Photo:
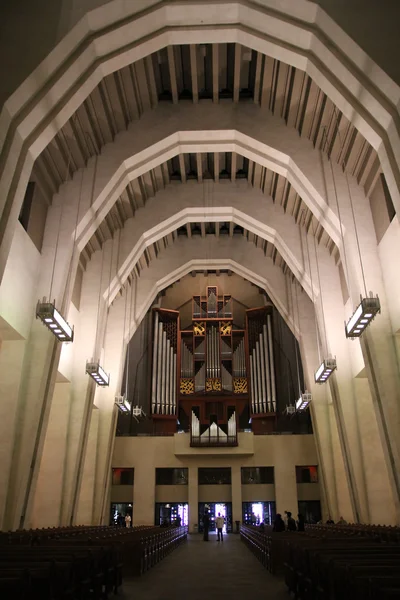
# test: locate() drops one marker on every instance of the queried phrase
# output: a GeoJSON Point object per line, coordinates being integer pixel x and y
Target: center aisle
{"type": "Point", "coordinates": [206, 570]}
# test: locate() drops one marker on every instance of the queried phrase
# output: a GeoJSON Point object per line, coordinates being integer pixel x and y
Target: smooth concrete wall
{"type": "Point", "coordinates": [122, 493]}
{"type": "Point", "coordinates": [215, 493]}
{"type": "Point", "coordinates": [145, 454]}
{"type": "Point", "coordinates": [171, 493]}
{"type": "Point", "coordinates": [308, 491]}
{"type": "Point", "coordinates": [258, 493]}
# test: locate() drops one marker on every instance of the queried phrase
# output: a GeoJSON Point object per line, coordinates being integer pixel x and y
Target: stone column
{"type": "Point", "coordinates": [285, 482]}
{"type": "Point", "coordinates": [144, 495]}
{"type": "Point", "coordinates": [85, 508]}
{"type": "Point", "coordinates": [236, 494]}
{"type": "Point", "coordinates": [193, 496]}
{"type": "Point", "coordinates": [46, 511]}
{"type": "Point", "coordinates": [11, 358]}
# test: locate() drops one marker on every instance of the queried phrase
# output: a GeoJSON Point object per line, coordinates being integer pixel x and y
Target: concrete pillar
{"type": "Point", "coordinates": [11, 358]}
{"type": "Point", "coordinates": [285, 483]}
{"type": "Point", "coordinates": [144, 495]}
{"type": "Point", "coordinates": [85, 508]}
{"type": "Point", "coordinates": [193, 499]}
{"type": "Point", "coordinates": [46, 510]}
{"type": "Point", "coordinates": [236, 494]}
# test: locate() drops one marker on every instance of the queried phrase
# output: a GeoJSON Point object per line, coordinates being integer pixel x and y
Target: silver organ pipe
{"type": "Point", "coordinates": [167, 375]}
{"type": "Point", "coordinates": [263, 369]}
{"type": "Point", "coordinates": [271, 356]}
{"type": "Point", "coordinates": [253, 387]}
{"type": "Point", "coordinates": [195, 426]}
{"type": "Point", "coordinates": [200, 379]}
{"type": "Point", "coordinates": [163, 381]}
{"type": "Point", "coordinates": [159, 366]}
{"type": "Point", "coordinates": [232, 426]}
{"type": "Point", "coordinates": [267, 368]}
{"type": "Point", "coordinates": [258, 376]}
{"type": "Point", "coordinates": [173, 386]}
{"type": "Point", "coordinates": [154, 375]}
{"type": "Point", "coordinates": [263, 391]}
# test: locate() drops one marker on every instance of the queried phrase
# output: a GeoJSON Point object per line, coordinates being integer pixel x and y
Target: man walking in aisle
{"type": "Point", "coordinates": [219, 521]}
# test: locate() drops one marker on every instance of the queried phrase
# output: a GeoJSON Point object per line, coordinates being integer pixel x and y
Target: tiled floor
{"type": "Point", "coordinates": [200, 570]}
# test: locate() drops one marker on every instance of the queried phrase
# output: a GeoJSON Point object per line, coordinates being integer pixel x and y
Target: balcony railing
{"type": "Point", "coordinates": [213, 441]}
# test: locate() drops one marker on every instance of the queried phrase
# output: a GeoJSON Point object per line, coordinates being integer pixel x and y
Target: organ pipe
{"type": "Point", "coordinates": [267, 370]}
{"type": "Point", "coordinates": [167, 375]}
{"type": "Point", "coordinates": [154, 375]}
{"type": "Point", "coordinates": [163, 381]}
{"type": "Point", "coordinates": [271, 356]}
{"type": "Point", "coordinates": [263, 370]}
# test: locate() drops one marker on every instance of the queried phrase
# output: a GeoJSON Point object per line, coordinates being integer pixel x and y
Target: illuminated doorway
{"type": "Point", "coordinates": [169, 513]}
{"type": "Point", "coordinates": [213, 508]}
{"type": "Point", "coordinates": [256, 512]}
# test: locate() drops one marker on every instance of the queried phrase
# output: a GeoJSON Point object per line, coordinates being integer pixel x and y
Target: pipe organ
{"type": "Point", "coordinates": [261, 359]}
{"type": "Point", "coordinates": [213, 370]}
{"type": "Point", "coordinates": [163, 383]}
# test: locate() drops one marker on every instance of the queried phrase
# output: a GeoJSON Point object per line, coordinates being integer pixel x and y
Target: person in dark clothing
{"type": "Point", "coordinates": [279, 524]}
{"type": "Point", "coordinates": [262, 526]}
{"type": "Point", "coordinates": [300, 522]}
{"type": "Point", "coordinates": [330, 521]}
{"type": "Point", "coordinates": [206, 525]}
{"type": "Point", "coordinates": [291, 523]}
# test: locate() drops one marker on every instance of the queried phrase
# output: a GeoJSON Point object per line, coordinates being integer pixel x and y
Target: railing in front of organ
{"type": "Point", "coordinates": [214, 434]}
{"type": "Point", "coordinates": [262, 372]}
{"type": "Point", "coordinates": [163, 389]}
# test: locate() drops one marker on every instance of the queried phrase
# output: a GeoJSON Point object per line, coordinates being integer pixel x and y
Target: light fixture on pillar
{"type": "Point", "coordinates": [122, 404]}
{"type": "Point", "coordinates": [46, 309]}
{"type": "Point", "coordinates": [325, 370]}
{"type": "Point", "coordinates": [97, 373]}
{"type": "Point", "coordinates": [303, 401]}
{"type": "Point", "coordinates": [54, 321]}
{"type": "Point", "coordinates": [362, 316]}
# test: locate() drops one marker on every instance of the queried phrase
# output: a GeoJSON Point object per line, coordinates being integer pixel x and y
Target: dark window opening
{"type": "Point", "coordinates": [307, 474]}
{"type": "Point", "coordinates": [257, 475]}
{"type": "Point", "coordinates": [123, 476]}
{"type": "Point", "coordinates": [171, 476]}
{"type": "Point", "coordinates": [215, 476]}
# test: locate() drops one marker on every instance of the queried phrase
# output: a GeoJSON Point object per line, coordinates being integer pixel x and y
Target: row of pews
{"type": "Point", "coordinates": [327, 562]}
{"type": "Point", "coordinates": [79, 563]}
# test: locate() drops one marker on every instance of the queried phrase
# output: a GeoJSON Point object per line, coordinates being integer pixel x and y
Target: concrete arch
{"type": "Point", "coordinates": [27, 127]}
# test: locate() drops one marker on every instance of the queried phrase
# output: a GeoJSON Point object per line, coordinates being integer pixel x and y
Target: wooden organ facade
{"type": "Point", "coordinates": [213, 371]}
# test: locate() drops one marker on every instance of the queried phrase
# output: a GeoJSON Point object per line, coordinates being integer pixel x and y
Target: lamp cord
{"type": "Point", "coordinates": [338, 210]}
{"type": "Point", "coordinates": [294, 337]}
{"type": "Point", "coordinates": [98, 302]}
{"type": "Point", "coordinates": [320, 293]}
{"type": "Point", "coordinates": [312, 293]}
{"type": "Point", "coordinates": [58, 232]}
{"type": "Point", "coordinates": [108, 300]}
{"type": "Point", "coordinates": [352, 212]}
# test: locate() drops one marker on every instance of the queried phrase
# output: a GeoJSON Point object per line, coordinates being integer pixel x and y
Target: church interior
{"type": "Point", "coordinates": [199, 286]}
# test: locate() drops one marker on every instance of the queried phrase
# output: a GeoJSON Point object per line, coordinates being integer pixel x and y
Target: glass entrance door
{"type": "Point", "coordinates": [213, 508]}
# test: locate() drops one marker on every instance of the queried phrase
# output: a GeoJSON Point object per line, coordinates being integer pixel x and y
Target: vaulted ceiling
{"type": "Point", "coordinates": [203, 73]}
{"type": "Point", "coordinates": [209, 73]}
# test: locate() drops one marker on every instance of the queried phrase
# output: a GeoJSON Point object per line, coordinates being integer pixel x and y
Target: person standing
{"type": "Point", "coordinates": [291, 523]}
{"type": "Point", "coordinates": [128, 520]}
{"type": "Point", "coordinates": [220, 525]}
{"type": "Point", "coordinates": [279, 524]}
{"type": "Point", "coordinates": [300, 522]}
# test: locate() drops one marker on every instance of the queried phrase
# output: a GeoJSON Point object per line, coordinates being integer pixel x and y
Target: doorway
{"type": "Point", "coordinates": [118, 511]}
{"type": "Point", "coordinates": [171, 512]}
{"type": "Point", "coordinates": [213, 508]}
{"type": "Point", "coordinates": [254, 513]}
